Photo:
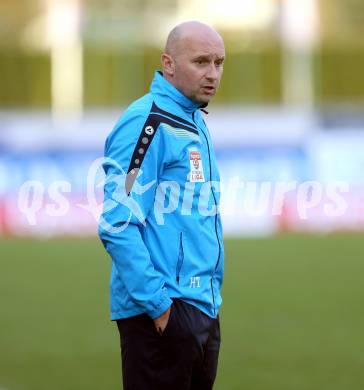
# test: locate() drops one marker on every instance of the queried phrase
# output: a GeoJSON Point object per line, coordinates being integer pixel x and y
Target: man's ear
{"type": "Point", "coordinates": [167, 64]}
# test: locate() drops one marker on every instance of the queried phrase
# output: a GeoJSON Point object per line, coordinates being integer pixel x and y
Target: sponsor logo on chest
{"type": "Point", "coordinates": [196, 168]}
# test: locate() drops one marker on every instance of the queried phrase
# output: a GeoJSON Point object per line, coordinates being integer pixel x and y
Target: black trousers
{"type": "Point", "coordinates": [184, 357]}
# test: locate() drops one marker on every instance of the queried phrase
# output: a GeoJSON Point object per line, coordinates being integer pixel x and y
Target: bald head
{"type": "Point", "coordinates": [184, 32]}
{"type": "Point", "coordinates": [193, 60]}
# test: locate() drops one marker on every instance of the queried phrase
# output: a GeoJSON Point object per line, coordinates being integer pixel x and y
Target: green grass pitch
{"type": "Point", "coordinates": [292, 318]}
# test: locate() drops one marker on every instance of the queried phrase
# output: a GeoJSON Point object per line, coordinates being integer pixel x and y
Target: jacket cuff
{"type": "Point", "coordinates": [160, 305]}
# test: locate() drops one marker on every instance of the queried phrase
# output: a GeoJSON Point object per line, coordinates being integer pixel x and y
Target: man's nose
{"type": "Point", "coordinates": [212, 72]}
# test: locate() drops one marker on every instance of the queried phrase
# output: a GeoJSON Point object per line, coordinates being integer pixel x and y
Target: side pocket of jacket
{"type": "Point", "coordinates": [180, 258]}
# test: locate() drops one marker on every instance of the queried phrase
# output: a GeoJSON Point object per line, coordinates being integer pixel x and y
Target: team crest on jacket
{"type": "Point", "coordinates": [196, 168]}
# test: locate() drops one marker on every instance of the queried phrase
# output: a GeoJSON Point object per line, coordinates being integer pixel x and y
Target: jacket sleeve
{"type": "Point", "coordinates": [126, 209]}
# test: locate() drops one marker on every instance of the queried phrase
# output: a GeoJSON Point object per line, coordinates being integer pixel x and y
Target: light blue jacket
{"type": "Point", "coordinates": [160, 222]}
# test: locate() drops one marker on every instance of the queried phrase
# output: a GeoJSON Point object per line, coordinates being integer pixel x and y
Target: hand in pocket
{"type": "Point", "coordinates": [162, 321]}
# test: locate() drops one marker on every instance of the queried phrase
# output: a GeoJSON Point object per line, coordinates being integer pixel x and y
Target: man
{"type": "Point", "coordinates": [161, 225]}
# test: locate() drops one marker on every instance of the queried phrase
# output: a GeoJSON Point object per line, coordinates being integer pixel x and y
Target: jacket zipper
{"type": "Point", "coordinates": [213, 194]}
{"type": "Point", "coordinates": [180, 259]}
{"type": "Point", "coordinates": [213, 295]}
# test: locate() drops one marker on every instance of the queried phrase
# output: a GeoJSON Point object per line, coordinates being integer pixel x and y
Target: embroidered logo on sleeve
{"type": "Point", "coordinates": [196, 168]}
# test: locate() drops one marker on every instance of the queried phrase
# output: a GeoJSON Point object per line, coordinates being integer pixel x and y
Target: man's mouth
{"type": "Point", "coordinates": [208, 88]}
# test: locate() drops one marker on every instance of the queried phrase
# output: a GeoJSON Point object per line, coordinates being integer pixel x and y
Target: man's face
{"type": "Point", "coordinates": [198, 67]}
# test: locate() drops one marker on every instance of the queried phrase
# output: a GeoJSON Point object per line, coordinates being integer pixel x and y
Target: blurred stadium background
{"type": "Point", "coordinates": [290, 110]}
